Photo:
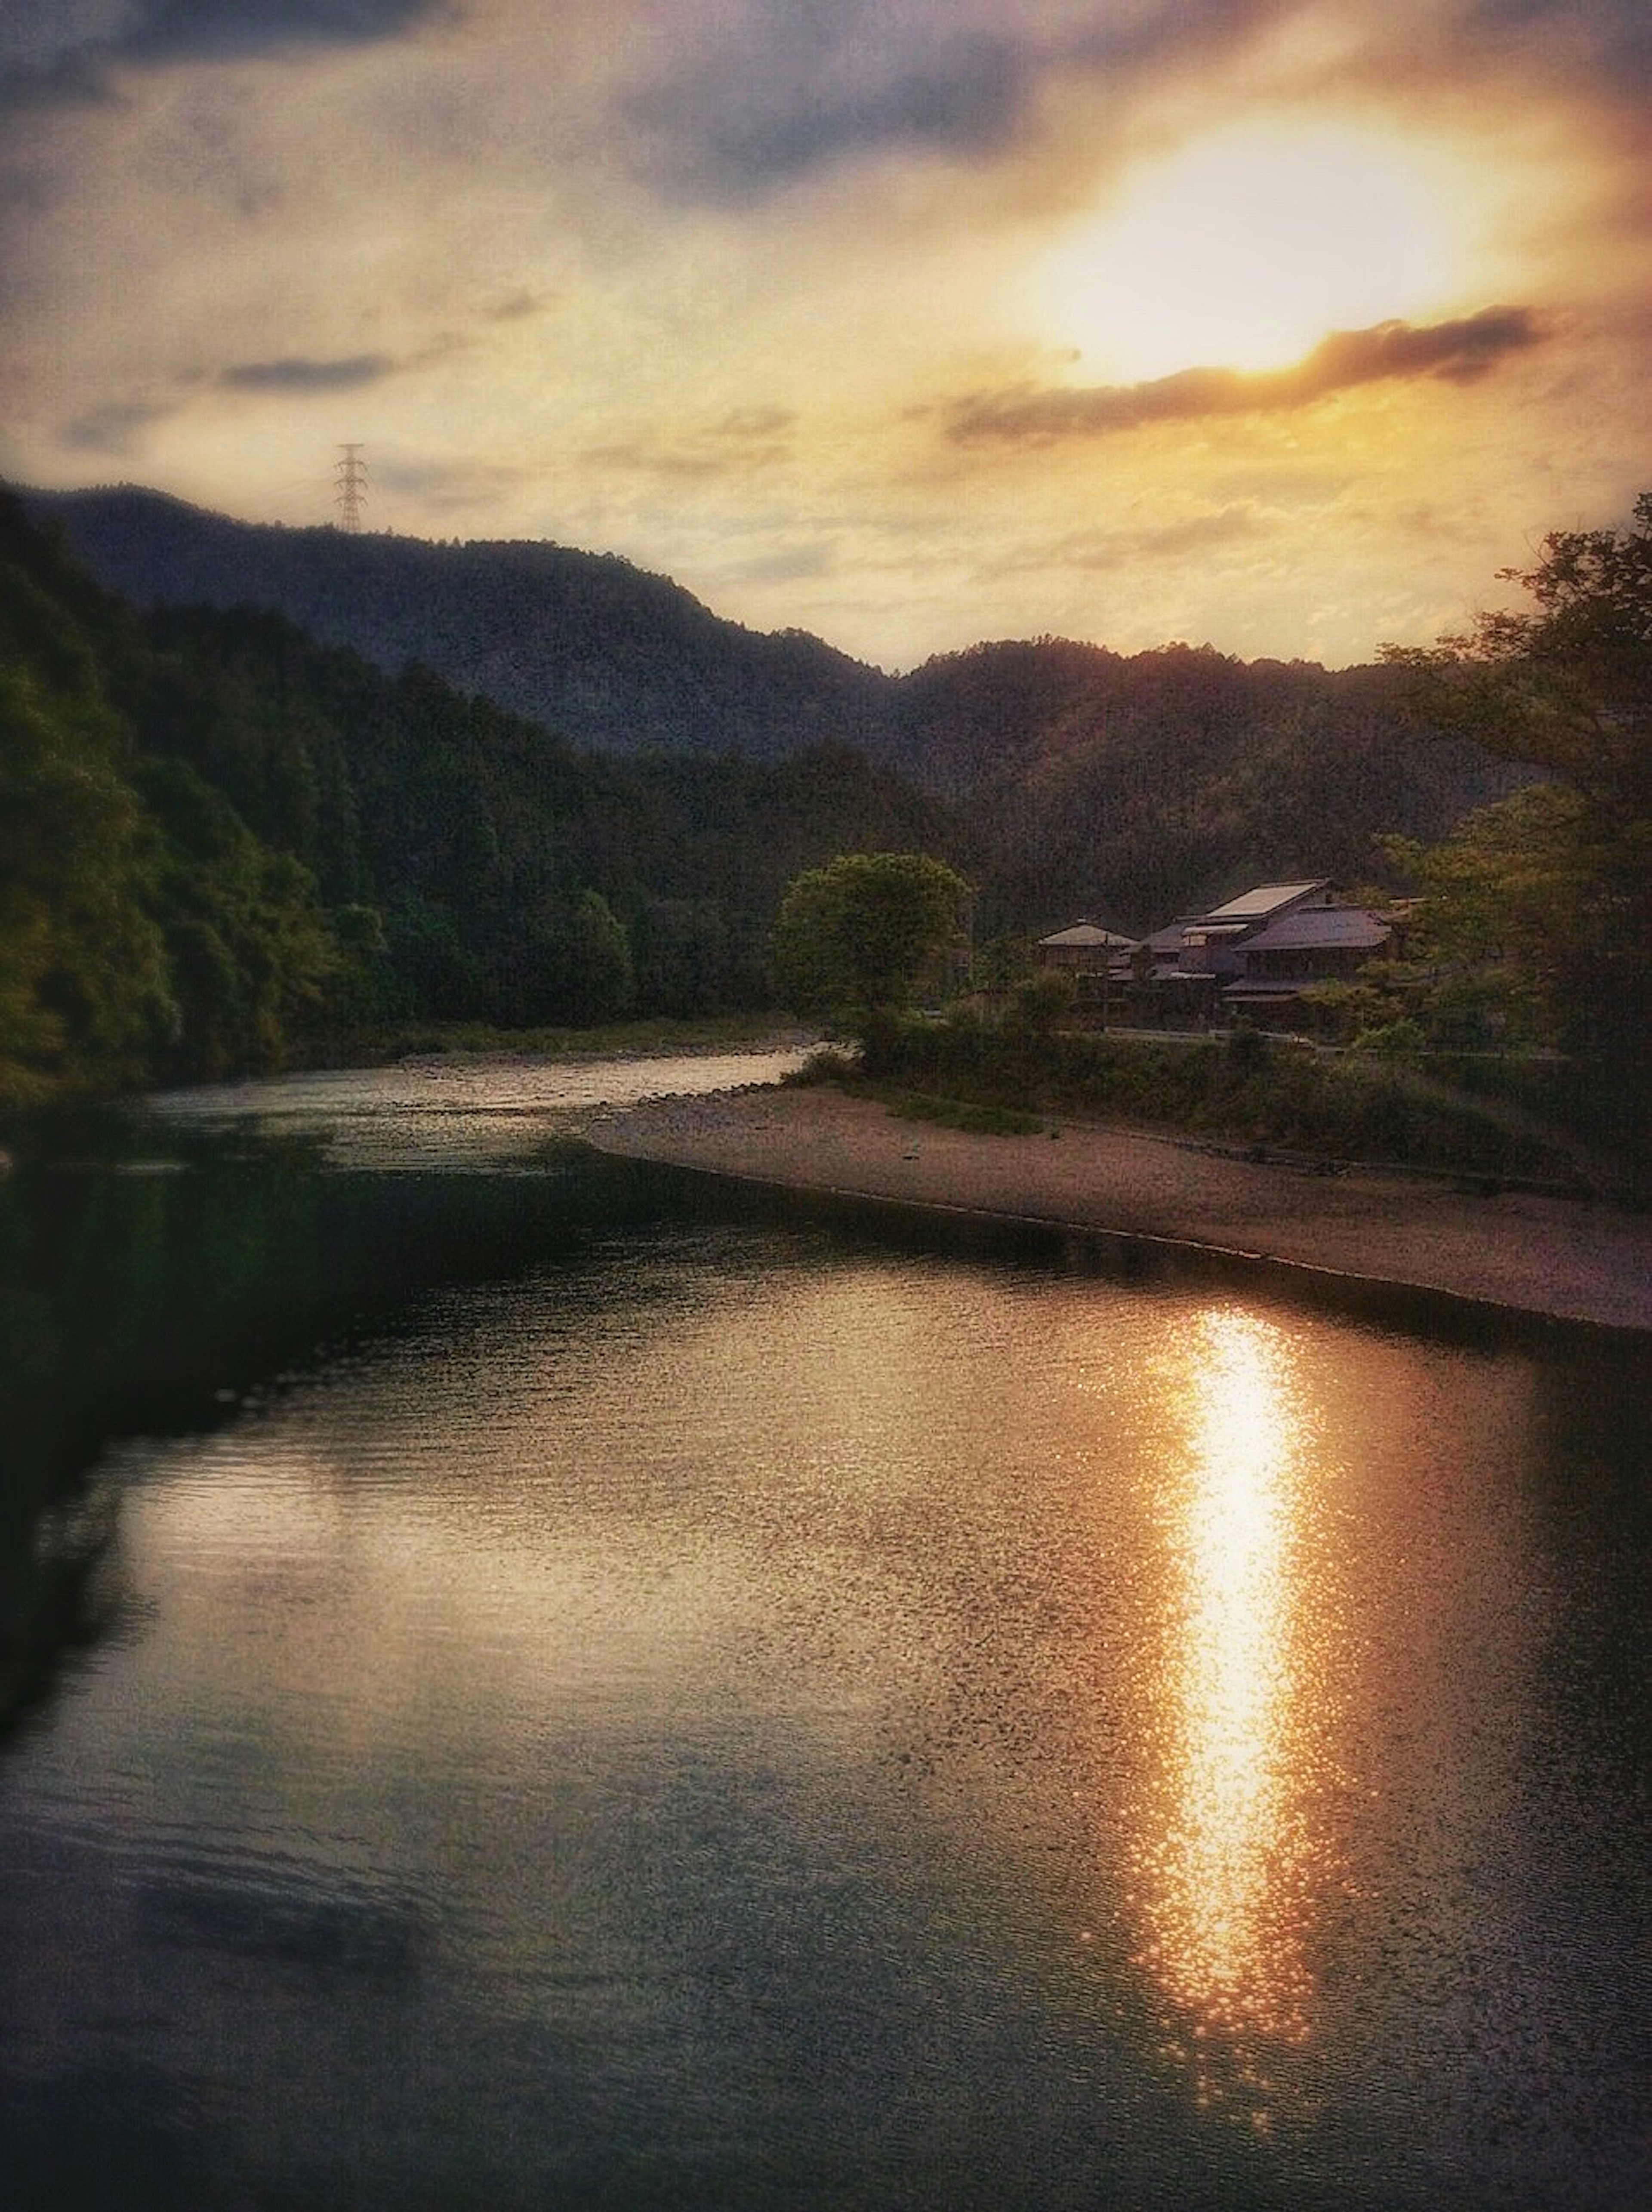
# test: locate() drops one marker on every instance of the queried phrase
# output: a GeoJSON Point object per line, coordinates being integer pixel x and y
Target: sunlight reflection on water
{"type": "Point", "coordinates": [737, 1718]}
{"type": "Point", "coordinates": [443, 1114]}
{"type": "Point", "coordinates": [1238, 1734]}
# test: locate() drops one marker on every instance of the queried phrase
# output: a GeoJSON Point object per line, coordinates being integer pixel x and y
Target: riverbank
{"type": "Point", "coordinates": [651, 1036]}
{"type": "Point", "coordinates": [1566, 1258]}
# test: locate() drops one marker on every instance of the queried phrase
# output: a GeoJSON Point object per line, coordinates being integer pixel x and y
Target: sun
{"type": "Point", "coordinates": [1246, 248]}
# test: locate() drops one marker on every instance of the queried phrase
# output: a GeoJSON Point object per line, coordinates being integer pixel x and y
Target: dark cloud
{"type": "Point", "coordinates": [772, 91]}
{"type": "Point", "coordinates": [518, 306]}
{"type": "Point", "coordinates": [70, 80]}
{"type": "Point", "coordinates": [735, 140]}
{"type": "Point", "coordinates": [792, 88]}
{"type": "Point", "coordinates": [449, 486]}
{"type": "Point", "coordinates": [788, 564]}
{"type": "Point", "coordinates": [169, 28]}
{"type": "Point", "coordinates": [1616, 34]}
{"type": "Point", "coordinates": [111, 429]}
{"type": "Point", "coordinates": [1459, 352]}
{"type": "Point", "coordinates": [75, 69]}
{"type": "Point", "coordinates": [295, 373]}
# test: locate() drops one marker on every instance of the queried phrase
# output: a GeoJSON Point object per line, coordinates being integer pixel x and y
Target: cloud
{"type": "Point", "coordinates": [295, 372]}
{"type": "Point", "coordinates": [739, 102]}
{"type": "Point", "coordinates": [744, 440]}
{"type": "Point", "coordinates": [810, 104]}
{"type": "Point", "coordinates": [1615, 35]}
{"type": "Point", "coordinates": [112, 428]}
{"type": "Point", "coordinates": [774, 93]}
{"type": "Point", "coordinates": [1458, 352]}
{"type": "Point", "coordinates": [41, 65]}
{"type": "Point", "coordinates": [758, 424]}
{"type": "Point", "coordinates": [517, 306]}
{"type": "Point", "coordinates": [790, 562]}
{"type": "Point", "coordinates": [1101, 550]}
{"type": "Point", "coordinates": [166, 28]}
{"type": "Point", "coordinates": [449, 487]}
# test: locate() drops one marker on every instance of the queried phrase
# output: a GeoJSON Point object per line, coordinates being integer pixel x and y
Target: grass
{"type": "Point", "coordinates": [967, 1113]}
{"type": "Point", "coordinates": [1242, 1091]}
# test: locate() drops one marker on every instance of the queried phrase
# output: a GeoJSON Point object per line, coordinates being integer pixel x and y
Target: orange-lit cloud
{"type": "Point", "coordinates": [794, 304]}
{"type": "Point", "coordinates": [1460, 352]}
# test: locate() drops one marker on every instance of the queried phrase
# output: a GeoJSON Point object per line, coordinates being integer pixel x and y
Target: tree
{"type": "Point", "coordinates": [251, 951]}
{"type": "Point", "coordinates": [1494, 942]}
{"type": "Point", "coordinates": [1044, 1000]}
{"type": "Point", "coordinates": [1554, 887]}
{"type": "Point", "coordinates": [1566, 685]}
{"type": "Point", "coordinates": [854, 939]}
{"type": "Point", "coordinates": [84, 994]}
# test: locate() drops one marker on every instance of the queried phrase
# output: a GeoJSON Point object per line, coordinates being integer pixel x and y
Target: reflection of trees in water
{"type": "Point", "coordinates": [149, 1294]}
{"type": "Point", "coordinates": [61, 1591]}
{"type": "Point", "coordinates": [1592, 1423]}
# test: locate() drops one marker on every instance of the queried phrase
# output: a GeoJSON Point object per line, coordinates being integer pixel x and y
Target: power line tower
{"type": "Point", "coordinates": [350, 475]}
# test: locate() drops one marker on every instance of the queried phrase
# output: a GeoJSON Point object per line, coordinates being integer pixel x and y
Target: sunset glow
{"type": "Point", "coordinates": [1280, 328]}
{"type": "Point", "coordinates": [1247, 248]}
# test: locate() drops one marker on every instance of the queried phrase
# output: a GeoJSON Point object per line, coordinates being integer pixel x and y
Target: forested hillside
{"type": "Point", "coordinates": [1141, 785]}
{"type": "Point", "coordinates": [1164, 782]}
{"type": "Point", "coordinates": [583, 643]}
{"type": "Point", "coordinates": [222, 843]}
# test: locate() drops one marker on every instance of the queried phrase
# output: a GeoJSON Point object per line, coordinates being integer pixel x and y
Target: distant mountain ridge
{"type": "Point", "coordinates": [604, 653]}
{"type": "Point", "coordinates": [1139, 785]}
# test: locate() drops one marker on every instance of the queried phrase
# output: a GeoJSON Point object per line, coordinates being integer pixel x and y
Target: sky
{"type": "Point", "coordinates": [911, 323]}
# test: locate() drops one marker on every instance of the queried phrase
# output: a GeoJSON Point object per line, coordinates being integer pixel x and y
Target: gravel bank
{"type": "Point", "coordinates": [1559, 1257]}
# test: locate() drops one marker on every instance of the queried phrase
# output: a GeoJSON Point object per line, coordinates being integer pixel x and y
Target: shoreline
{"type": "Point", "coordinates": [1359, 1237]}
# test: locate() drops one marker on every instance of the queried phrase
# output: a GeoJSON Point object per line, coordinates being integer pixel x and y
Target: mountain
{"type": "Point", "coordinates": [1164, 782]}
{"type": "Point", "coordinates": [1139, 785]}
{"type": "Point", "coordinates": [224, 845]}
{"type": "Point", "coordinates": [583, 643]}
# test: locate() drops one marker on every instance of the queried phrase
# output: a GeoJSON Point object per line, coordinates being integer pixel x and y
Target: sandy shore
{"type": "Point", "coordinates": [1559, 1257]}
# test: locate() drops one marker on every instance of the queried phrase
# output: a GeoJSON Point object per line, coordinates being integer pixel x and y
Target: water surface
{"type": "Point", "coordinates": [713, 1715]}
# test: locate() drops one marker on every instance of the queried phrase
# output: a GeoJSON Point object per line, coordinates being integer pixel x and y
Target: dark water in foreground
{"type": "Point", "coordinates": [617, 1708]}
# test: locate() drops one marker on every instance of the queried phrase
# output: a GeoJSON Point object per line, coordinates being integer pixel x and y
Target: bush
{"type": "Point", "coordinates": [1332, 1107]}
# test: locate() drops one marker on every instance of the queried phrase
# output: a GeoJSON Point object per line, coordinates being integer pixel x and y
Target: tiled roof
{"type": "Point", "coordinates": [1088, 933]}
{"type": "Point", "coordinates": [1315, 926]}
{"type": "Point", "coordinates": [1168, 939]}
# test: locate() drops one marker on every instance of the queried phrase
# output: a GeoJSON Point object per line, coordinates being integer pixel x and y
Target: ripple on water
{"type": "Point", "coordinates": [745, 1721]}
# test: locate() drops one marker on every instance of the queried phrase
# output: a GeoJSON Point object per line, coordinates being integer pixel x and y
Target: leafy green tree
{"type": "Point", "coordinates": [1564, 685]}
{"type": "Point", "coordinates": [1550, 891]}
{"type": "Point", "coordinates": [854, 939]}
{"type": "Point", "coordinates": [1045, 999]}
{"type": "Point", "coordinates": [251, 951]}
{"type": "Point", "coordinates": [1505, 907]}
{"type": "Point", "coordinates": [84, 996]}
{"type": "Point", "coordinates": [594, 980]}
{"type": "Point", "coordinates": [685, 958]}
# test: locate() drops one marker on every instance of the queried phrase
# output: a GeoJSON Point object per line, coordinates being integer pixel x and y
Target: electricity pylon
{"type": "Point", "coordinates": [351, 476]}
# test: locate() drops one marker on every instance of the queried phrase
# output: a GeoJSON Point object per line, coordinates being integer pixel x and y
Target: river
{"type": "Point", "coordinates": [539, 1690]}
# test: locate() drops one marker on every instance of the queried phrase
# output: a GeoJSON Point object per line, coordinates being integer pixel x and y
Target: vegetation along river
{"type": "Point", "coordinates": [528, 1687]}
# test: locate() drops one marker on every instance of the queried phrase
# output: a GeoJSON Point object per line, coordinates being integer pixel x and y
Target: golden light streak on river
{"type": "Point", "coordinates": [1230, 1863]}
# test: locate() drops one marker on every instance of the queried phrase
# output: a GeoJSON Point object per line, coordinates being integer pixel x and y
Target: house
{"type": "Point", "coordinates": [1257, 952]}
{"type": "Point", "coordinates": [1208, 944]}
{"type": "Point", "coordinates": [1263, 949]}
{"type": "Point", "coordinates": [1084, 949]}
{"type": "Point", "coordinates": [1313, 945]}
{"type": "Point", "coordinates": [1093, 955]}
